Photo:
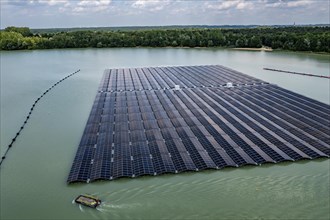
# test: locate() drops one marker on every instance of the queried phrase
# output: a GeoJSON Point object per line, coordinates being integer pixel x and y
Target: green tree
{"type": "Point", "coordinates": [24, 31]}
{"type": "Point", "coordinates": [11, 41]}
{"type": "Point", "coordinates": [254, 42]}
{"type": "Point", "coordinates": [288, 38]}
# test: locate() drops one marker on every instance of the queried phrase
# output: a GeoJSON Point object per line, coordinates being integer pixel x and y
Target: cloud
{"type": "Point", "coordinates": [299, 3]}
{"type": "Point", "coordinates": [289, 3]}
{"type": "Point", "coordinates": [14, 3]}
{"type": "Point", "coordinates": [244, 5]}
{"type": "Point", "coordinates": [151, 5]}
{"type": "Point", "coordinates": [230, 4]}
{"type": "Point", "coordinates": [90, 6]}
{"type": "Point", "coordinates": [95, 3]}
{"type": "Point", "coordinates": [47, 2]}
{"type": "Point", "coordinates": [62, 6]}
{"type": "Point", "coordinates": [70, 13]}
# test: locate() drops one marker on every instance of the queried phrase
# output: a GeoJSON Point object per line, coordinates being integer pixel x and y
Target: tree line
{"type": "Point", "coordinates": [315, 39]}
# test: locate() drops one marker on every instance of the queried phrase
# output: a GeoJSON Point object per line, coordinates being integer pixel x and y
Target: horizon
{"type": "Point", "coordinates": [45, 14]}
{"type": "Point", "coordinates": [182, 25]}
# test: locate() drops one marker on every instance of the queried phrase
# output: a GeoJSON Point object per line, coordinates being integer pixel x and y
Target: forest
{"type": "Point", "coordinates": [300, 38]}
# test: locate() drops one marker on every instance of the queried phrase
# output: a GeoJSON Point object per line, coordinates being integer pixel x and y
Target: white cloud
{"type": "Point", "coordinates": [222, 5]}
{"type": "Point", "coordinates": [230, 4]}
{"type": "Point", "coordinates": [91, 6]}
{"type": "Point", "coordinates": [95, 3]}
{"type": "Point", "coordinates": [44, 13]}
{"type": "Point", "coordinates": [299, 3]}
{"type": "Point", "coordinates": [56, 2]}
{"type": "Point", "coordinates": [289, 4]}
{"type": "Point", "coordinates": [33, 2]}
{"type": "Point", "coordinates": [244, 5]}
{"type": "Point", "coordinates": [48, 2]}
{"type": "Point", "coordinates": [62, 6]}
{"type": "Point", "coordinates": [151, 4]}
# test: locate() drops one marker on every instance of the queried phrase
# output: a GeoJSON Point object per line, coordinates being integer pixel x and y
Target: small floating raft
{"type": "Point", "coordinates": [88, 200]}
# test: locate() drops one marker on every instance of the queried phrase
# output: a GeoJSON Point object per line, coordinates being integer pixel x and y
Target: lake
{"type": "Point", "coordinates": [33, 177]}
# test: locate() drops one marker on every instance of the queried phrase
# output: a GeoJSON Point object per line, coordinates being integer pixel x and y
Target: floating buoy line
{"type": "Point", "coordinates": [303, 74]}
{"type": "Point", "coordinates": [29, 114]}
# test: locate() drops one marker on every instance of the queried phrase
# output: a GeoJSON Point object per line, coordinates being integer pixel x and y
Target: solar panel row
{"type": "Point", "coordinates": [158, 78]}
{"type": "Point", "coordinates": [140, 125]}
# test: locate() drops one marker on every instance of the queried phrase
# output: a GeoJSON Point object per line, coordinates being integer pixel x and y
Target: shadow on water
{"type": "Point", "coordinates": [188, 174]}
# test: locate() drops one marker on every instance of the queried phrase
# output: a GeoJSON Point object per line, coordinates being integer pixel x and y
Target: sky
{"type": "Point", "coordinates": [108, 13]}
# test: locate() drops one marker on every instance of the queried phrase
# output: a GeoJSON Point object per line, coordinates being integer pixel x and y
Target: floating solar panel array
{"type": "Point", "coordinates": [150, 121]}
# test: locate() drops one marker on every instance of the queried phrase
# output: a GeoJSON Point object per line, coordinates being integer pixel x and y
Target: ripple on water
{"type": "Point", "coordinates": [210, 195]}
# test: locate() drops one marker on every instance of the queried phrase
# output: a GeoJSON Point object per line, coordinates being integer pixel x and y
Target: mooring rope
{"type": "Point", "coordinates": [29, 114]}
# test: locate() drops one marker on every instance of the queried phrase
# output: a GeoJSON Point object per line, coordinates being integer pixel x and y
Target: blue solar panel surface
{"type": "Point", "coordinates": [150, 121]}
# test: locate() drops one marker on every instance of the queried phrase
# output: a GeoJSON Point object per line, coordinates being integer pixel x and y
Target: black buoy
{"type": "Point", "coordinates": [3, 157]}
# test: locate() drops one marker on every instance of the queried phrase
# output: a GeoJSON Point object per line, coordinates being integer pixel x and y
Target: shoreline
{"type": "Point", "coordinates": [254, 49]}
{"type": "Point", "coordinates": [303, 52]}
{"type": "Point", "coordinates": [184, 47]}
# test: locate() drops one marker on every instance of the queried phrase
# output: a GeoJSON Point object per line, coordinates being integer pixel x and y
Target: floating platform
{"type": "Point", "coordinates": [151, 121]}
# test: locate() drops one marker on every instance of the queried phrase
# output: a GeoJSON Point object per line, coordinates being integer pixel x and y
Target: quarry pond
{"type": "Point", "coordinates": [34, 173]}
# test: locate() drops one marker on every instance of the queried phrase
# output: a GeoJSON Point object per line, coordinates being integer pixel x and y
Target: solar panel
{"type": "Point", "coordinates": [142, 123]}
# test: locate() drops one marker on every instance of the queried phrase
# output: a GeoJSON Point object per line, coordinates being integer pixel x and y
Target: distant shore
{"type": "Point", "coordinates": [249, 39]}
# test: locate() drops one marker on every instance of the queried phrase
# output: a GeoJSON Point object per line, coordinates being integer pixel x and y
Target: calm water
{"type": "Point", "coordinates": [33, 177]}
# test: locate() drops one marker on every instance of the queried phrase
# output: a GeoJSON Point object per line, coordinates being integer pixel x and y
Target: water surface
{"type": "Point", "coordinates": [33, 177]}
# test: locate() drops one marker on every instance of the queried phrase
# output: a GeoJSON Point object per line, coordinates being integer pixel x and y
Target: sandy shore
{"type": "Point", "coordinates": [255, 49]}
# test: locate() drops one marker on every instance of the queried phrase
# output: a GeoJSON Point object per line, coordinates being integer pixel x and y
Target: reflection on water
{"type": "Point", "coordinates": [38, 165]}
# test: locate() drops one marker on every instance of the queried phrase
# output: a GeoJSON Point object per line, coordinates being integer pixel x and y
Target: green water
{"type": "Point", "coordinates": [33, 177]}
